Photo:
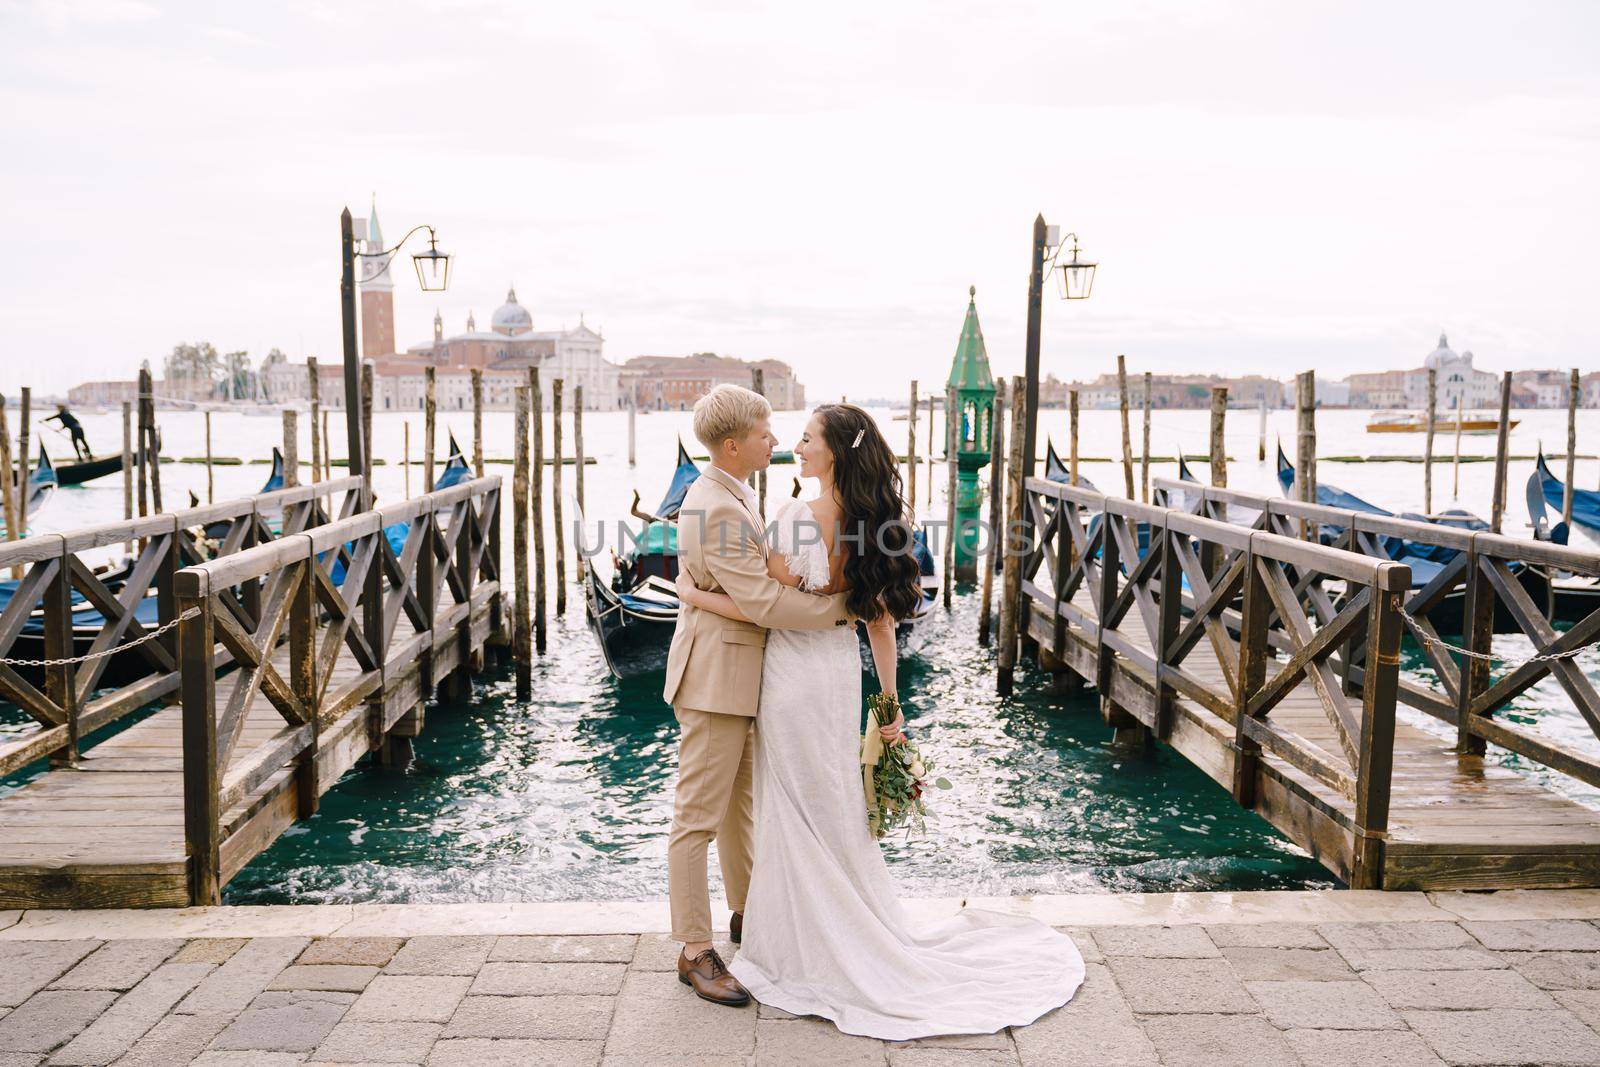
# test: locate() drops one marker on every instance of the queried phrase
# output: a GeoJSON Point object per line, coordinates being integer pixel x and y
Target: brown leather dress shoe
{"type": "Point", "coordinates": [708, 976]}
{"type": "Point", "coordinates": [736, 927]}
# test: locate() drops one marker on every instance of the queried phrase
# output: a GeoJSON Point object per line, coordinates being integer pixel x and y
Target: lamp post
{"type": "Point", "coordinates": [433, 275]}
{"type": "Point", "coordinates": [1077, 279]}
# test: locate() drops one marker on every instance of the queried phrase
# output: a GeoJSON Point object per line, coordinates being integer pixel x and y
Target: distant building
{"type": "Point", "coordinates": [1540, 388]}
{"type": "Point", "coordinates": [1591, 390]}
{"type": "Point", "coordinates": [1457, 380]}
{"type": "Point", "coordinates": [674, 383]}
{"type": "Point", "coordinates": [102, 394]}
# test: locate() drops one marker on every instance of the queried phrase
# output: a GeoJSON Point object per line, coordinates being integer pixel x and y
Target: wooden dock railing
{"type": "Point", "coordinates": [1167, 604]}
{"type": "Point", "coordinates": [82, 689]}
{"type": "Point", "coordinates": [348, 637]}
{"type": "Point", "coordinates": [1486, 583]}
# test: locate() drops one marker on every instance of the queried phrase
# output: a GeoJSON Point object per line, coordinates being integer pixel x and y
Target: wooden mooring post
{"type": "Point", "coordinates": [555, 494]}
{"type": "Point", "coordinates": [1072, 436]}
{"type": "Point", "coordinates": [8, 485]}
{"type": "Point", "coordinates": [314, 387]}
{"type": "Point", "coordinates": [521, 620]}
{"type": "Point", "coordinates": [211, 485]}
{"type": "Point", "coordinates": [931, 452]}
{"type": "Point", "coordinates": [477, 421]}
{"type": "Point", "coordinates": [577, 477]}
{"type": "Point", "coordinates": [291, 449]}
{"type": "Point", "coordinates": [1261, 441]}
{"type": "Point", "coordinates": [997, 496]}
{"type": "Point", "coordinates": [1427, 445]}
{"type": "Point", "coordinates": [327, 449]}
{"type": "Point", "coordinates": [1144, 448]}
{"type": "Point", "coordinates": [1218, 446]}
{"type": "Point", "coordinates": [366, 431]}
{"type": "Point", "coordinates": [1455, 467]}
{"type": "Point", "coordinates": [951, 445]}
{"type": "Point", "coordinates": [429, 414]}
{"type": "Point", "coordinates": [536, 506]}
{"type": "Point", "coordinates": [1011, 587]}
{"type": "Point", "coordinates": [1574, 387]}
{"type": "Point", "coordinates": [127, 465]}
{"type": "Point", "coordinates": [1501, 448]}
{"type": "Point", "coordinates": [24, 461]}
{"type": "Point", "coordinates": [911, 451]}
{"type": "Point", "coordinates": [405, 454]}
{"type": "Point", "coordinates": [1127, 440]}
{"type": "Point", "coordinates": [1305, 462]}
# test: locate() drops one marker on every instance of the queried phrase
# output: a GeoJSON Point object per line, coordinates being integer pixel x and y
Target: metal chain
{"type": "Point", "coordinates": [151, 636]}
{"type": "Point", "coordinates": [1543, 657]}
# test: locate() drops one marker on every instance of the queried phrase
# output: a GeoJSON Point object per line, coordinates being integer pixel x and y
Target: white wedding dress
{"type": "Point", "coordinates": [823, 931]}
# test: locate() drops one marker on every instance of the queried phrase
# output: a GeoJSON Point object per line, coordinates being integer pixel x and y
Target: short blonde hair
{"type": "Point", "coordinates": [728, 411]}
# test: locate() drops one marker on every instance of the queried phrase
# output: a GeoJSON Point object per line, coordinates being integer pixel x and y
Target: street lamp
{"type": "Point", "coordinates": [1077, 276]}
{"type": "Point", "coordinates": [433, 275]}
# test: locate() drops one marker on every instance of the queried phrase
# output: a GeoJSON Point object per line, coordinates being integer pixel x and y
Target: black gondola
{"type": "Point", "coordinates": [42, 484]}
{"type": "Point", "coordinates": [89, 470]}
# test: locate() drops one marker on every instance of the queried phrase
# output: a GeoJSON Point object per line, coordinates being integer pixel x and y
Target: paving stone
{"type": "Point", "coordinates": [656, 1015]}
{"type": "Point", "coordinates": [1324, 1006]}
{"type": "Point", "coordinates": [1096, 1026]}
{"type": "Point", "coordinates": [248, 971]}
{"type": "Point", "coordinates": [997, 1042]}
{"type": "Point", "coordinates": [1179, 985]}
{"type": "Point", "coordinates": [1156, 942]}
{"type": "Point", "coordinates": [386, 1042]}
{"type": "Point", "coordinates": [1506, 1035]}
{"type": "Point", "coordinates": [1537, 935]}
{"type": "Point", "coordinates": [1218, 1041]}
{"type": "Point", "coordinates": [542, 979]}
{"type": "Point", "coordinates": [555, 1016]}
{"type": "Point", "coordinates": [596, 948]}
{"type": "Point", "coordinates": [944, 1057]}
{"type": "Point", "coordinates": [175, 1039]}
{"type": "Point", "coordinates": [359, 951]}
{"type": "Point", "coordinates": [658, 952]}
{"type": "Point", "coordinates": [428, 998]}
{"type": "Point", "coordinates": [50, 1018]}
{"type": "Point", "coordinates": [285, 1022]}
{"type": "Point", "coordinates": [1467, 958]}
{"type": "Point", "coordinates": [247, 1059]}
{"type": "Point", "coordinates": [121, 964]}
{"type": "Point", "coordinates": [1286, 964]}
{"type": "Point", "coordinates": [1395, 935]}
{"type": "Point", "coordinates": [804, 1042]}
{"type": "Point", "coordinates": [28, 966]}
{"type": "Point", "coordinates": [514, 1052]}
{"type": "Point", "coordinates": [1584, 1003]}
{"type": "Point", "coordinates": [128, 1019]}
{"type": "Point", "coordinates": [1557, 970]}
{"type": "Point", "coordinates": [1457, 989]}
{"type": "Point", "coordinates": [340, 977]}
{"type": "Point", "coordinates": [1265, 935]}
{"type": "Point", "coordinates": [21, 1059]}
{"type": "Point", "coordinates": [1083, 937]}
{"type": "Point", "coordinates": [1369, 1048]}
{"type": "Point", "coordinates": [209, 950]}
{"type": "Point", "coordinates": [441, 955]}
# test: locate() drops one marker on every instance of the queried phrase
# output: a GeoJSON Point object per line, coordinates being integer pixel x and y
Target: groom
{"type": "Point", "coordinates": [714, 677]}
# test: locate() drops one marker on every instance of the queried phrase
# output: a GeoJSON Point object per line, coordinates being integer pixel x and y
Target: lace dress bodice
{"type": "Point", "coordinates": [798, 537]}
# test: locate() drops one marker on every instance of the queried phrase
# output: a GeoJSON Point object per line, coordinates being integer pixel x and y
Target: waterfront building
{"type": "Point", "coordinates": [1457, 379]}
{"type": "Point", "coordinates": [1590, 397]}
{"type": "Point", "coordinates": [674, 383]}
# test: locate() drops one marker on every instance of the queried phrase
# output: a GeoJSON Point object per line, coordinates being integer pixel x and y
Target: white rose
{"type": "Point", "coordinates": [917, 769]}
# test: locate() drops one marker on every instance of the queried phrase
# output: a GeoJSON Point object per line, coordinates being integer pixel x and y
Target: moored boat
{"type": "Point", "coordinates": [87, 471]}
{"type": "Point", "coordinates": [42, 485]}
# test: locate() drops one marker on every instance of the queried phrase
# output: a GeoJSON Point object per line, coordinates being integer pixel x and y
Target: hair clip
{"type": "Point", "coordinates": [857, 442]}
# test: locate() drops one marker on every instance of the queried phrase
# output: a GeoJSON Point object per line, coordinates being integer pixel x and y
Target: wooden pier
{"type": "Point", "coordinates": [1271, 662]}
{"type": "Point", "coordinates": [293, 642]}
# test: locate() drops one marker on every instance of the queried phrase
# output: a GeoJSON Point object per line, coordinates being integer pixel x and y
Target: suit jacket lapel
{"type": "Point", "coordinates": [726, 480]}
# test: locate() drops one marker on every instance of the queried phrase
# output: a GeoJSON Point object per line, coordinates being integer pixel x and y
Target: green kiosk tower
{"type": "Point", "coordinates": [973, 387]}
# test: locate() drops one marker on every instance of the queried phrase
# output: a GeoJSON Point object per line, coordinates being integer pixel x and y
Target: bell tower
{"type": "Point", "coordinates": [377, 295]}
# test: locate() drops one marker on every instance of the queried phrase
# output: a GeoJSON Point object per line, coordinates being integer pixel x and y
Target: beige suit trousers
{"type": "Point", "coordinates": [715, 799]}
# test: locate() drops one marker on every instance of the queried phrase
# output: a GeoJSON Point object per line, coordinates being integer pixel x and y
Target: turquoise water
{"type": "Point", "coordinates": [571, 796]}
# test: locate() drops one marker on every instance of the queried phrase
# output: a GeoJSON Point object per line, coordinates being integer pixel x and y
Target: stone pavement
{"type": "Point", "coordinates": [1206, 979]}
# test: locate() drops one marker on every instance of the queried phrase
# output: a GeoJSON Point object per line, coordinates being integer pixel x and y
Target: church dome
{"type": "Point", "coordinates": [1441, 355]}
{"type": "Point", "coordinates": [511, 317]}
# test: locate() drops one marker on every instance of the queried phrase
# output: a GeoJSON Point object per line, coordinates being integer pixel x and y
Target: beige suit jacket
{"type": "Point", "coordinates": [714, 663]}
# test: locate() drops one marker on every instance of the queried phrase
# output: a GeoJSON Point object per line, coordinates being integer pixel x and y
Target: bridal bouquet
{"type": "Point", "coordinates": [895, 777]}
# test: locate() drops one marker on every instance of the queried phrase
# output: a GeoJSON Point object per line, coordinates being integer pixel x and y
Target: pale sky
{"type": "Point", "coordinates": [1267, 187]}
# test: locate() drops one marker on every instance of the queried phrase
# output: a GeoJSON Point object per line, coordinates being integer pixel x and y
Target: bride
{"type": "Point", "coordinates": [823, 932]}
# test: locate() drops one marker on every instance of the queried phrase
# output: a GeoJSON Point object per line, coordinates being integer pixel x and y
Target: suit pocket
{"type": "Point", "coordinates": [756, 638]}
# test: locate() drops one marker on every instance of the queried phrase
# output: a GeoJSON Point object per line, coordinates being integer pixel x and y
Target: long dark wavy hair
{"type": "Point", "coordinates": [881, 571]}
